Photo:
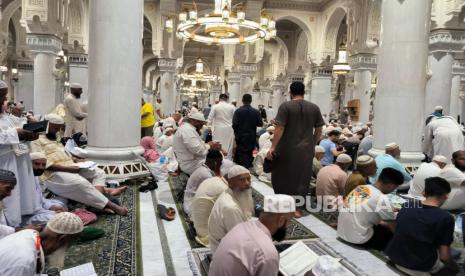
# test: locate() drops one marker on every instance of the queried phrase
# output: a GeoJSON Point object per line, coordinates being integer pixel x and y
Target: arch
{"type": "Point", "coordinates": [305, 28]}
{"type": "Point", "coordinates": [147, 74]}
{"type": "Point", "coordinates": [7, 13]}
{"type": "Point", "coordinates": [332, 29]}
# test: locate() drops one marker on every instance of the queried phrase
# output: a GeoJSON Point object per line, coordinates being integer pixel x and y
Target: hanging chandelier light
{"type": "Point", "coordinates": [342, 67]}
{"type": "Point", "coordinates": [199, 73]}
{"type": "Point", "coordinates": [226, 25]}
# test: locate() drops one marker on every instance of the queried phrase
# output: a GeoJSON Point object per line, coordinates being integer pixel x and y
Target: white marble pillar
{"type": "Point", "coordinates": [168, 91]}
{"type": "Point", "coordinates": [402, 60]}
{"type": "Point", "coordinates": [115, 85]}
{"type": "Point", "coordinates": [321, 90]}
{"type": "Point", "coordinates": [278, 99]}
{"type": "Point", "coordinates": [438, 87]}
{"type": "Point", "coordinates": [25, 86]}
{"type": "Point", "coordinates": [79, 73]}
{"type": "Point", "coordinates": [362, 91]}
{"type": "Point", "coordinates": [44, 48]}
{"type": "Point", "coordinates": [455, 97]}
{"type": "Point", "coordinates": [234, 87]}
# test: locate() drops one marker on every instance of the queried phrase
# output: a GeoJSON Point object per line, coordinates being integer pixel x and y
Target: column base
{"type": "Point", "coordinates": [410, 160]}
{"type": "Point", "coordinates": [119, 163]}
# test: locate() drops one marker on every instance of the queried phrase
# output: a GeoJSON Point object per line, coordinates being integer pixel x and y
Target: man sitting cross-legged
{"type": "Point", "coordinates": [64, 178]}
{"type": "Point", "coordinates": [424, 233]}
{"type": "Point", "coordinates": [367, 217]}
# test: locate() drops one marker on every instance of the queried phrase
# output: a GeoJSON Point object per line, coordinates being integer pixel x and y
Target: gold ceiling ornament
{"type": "Point", "coordinates": [342, 67]}
{"type": "Point", "coordinates": [226, 25]}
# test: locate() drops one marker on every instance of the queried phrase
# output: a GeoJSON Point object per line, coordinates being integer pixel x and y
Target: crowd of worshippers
{"type": "Point", "coordinates": [43, 184]}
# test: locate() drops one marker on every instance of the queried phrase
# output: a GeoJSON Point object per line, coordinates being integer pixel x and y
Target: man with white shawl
{"type": "Point", "coordinates": [443, 136]}
{"type": "Point", "coordinates": [221, 116]}
{"type": "Point", "coordinates": [14, 157]}
{"type": "Point", "coordinates": [454, 174]}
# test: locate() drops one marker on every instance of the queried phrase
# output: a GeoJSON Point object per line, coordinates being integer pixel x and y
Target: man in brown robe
{"type": "Point", "coordinates": [298, 125]}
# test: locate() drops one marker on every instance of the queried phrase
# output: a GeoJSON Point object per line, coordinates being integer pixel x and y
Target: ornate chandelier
{"type": "Point", "coordinates": [342, 67]}
{"type": "Point", "coordinates": [225, 25]}
{"type": "Point", "coordinates": [199, 74]}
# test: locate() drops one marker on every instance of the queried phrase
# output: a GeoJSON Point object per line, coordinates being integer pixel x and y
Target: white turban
{"type": "Point", "coordinates": [54, 119]}
{"type": "Point", "coordinates": [438, 108]}
{"type": "Point", "coordinates": [440, 158]}
{"type": "Point", "coordinates": [65, 223]}
{"type": "Point", "coordinates": [279, 204]}
{"type": "Point", "coordinates": [454, 176]}
{"type": "Point", "coordinates": [343, 158]}
{"type": "Point", "coordinates": [319, 148]}
{"type": "Point", "coordinates": [364, 160]}
{"type": "Point", "coordinates": [75, 86]}
{"type": "Point", "coordinates": [237, 170]}
{"type": "Point", "coordinates": [37, 155]}
{"type": "Point", "coordinates": [197, 116]}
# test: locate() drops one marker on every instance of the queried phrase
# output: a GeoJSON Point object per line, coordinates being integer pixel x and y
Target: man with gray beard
{"type": "Point", "coordinates": [235, 205]}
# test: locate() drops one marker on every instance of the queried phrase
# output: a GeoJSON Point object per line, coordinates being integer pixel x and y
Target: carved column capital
{"type": "Point", "coordinates": [44, 43]}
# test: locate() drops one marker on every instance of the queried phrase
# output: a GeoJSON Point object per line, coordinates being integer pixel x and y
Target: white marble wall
{"type": "Point", "coordinates": [25, 88]}
{"type": "Point", "coordinates": [321, 93]}
{"type": "Point", "coordinates": [80, 74]}
{"type": "Point", "coordinates": [438, 87]}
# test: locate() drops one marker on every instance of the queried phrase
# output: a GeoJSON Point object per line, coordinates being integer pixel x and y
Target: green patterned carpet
{"type": "Point", "coordinates": [115, 253]}
{"type": "Point", "coordinates": [295, 230]}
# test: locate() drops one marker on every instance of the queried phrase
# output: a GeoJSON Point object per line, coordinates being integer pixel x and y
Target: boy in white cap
{"type": "Point", "coordinates": [248, 248]}
{"type": "Point", "coordinates": [426, 170]}
{"type": "Point", "coordinates": [366, 167]}
{"type": "Point", "coordinates": [75, 116]}
{"type": "Point", "coordinates": [331, 180]}
{"type": "Point", "coordinates": [30, 247]}
{"type": "Point", "coordinates": [235, 205]}
{"type": "Point", "coordinates": [188, 146]}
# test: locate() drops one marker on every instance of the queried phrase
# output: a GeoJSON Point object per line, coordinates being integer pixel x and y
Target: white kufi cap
{"type": "Point", "coordinates": [270, 128]}
{"type": "Point", "coordinates": [279, 204]}
{"type": "Point", "coordinates": [37, 155]}
{"type": "Point", "coordinates": [197, 116]}
{"type": "Point", "coordinates": [343, 158]}
{"type": "Point", "coordinates": [65, 223]}
{"type": "Point", "coordinates": [319, 148]}
{"type": "Point", "coordinates": [391, 146]}
{"type": "Point", "coordinates": [438, 108]}
{"type": "Point", "coordinates": [237, 170]}
{"type": "Point", "coordinates": [364, 160]}
{"type": "Point", "coordinates": [440, 158]}
{"type": "Point", "coordinates": [75, 86]}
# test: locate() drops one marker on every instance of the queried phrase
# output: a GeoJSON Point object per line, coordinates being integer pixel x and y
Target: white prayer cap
{"type": "Point", "coordinates": [237, 170]}
{"type": "Point", "coordinates": [75, 86]}
{"type": "Point", "coordinates": [356, 129]}
{"type": "Point", "coordinates": [167, 129]}
{"type": "Point", "coordinates": [37, 155]}
{"type": "Point", "coordinates": [327, 266]}
{"type": "Point", "coordinates": [65, 223]}
{"type": "Point", "coordinates": [270, 128]}
{"type": "Point", "coordinates": [438, 108]}
{"type": "Point", "coordinates": [391, 146]}
{"type": "Point", "coordinates": [319, 148]}
{"type": "Point", "coordinates": [343, 158]}
{"type": "Point", "coordinates": [279, 204]}
{"type": "Point", "coordinates": [364, 160]}
{"type": "Point", "coordinates": [3, 85]}
{"type": "Point", "coordinates": [454, 176]}
{"type": "Point", "coordinates": [194, 103]}
{"type": "Point", "coordinates": [197, 116]}
{"type": "Point", "coordinates": [54, 119]}
{"type": "Point", "coordinates": [440, 158]}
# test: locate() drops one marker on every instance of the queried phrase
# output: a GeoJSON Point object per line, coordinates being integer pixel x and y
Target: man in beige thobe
{"type": "Point", "coordinates": [75, 116]}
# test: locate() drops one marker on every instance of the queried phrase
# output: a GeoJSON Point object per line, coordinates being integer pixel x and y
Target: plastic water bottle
{"type": "Point", "coordinates": [162, 159]}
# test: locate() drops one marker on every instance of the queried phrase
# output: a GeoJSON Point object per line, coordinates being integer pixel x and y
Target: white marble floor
{"type": "Point", "coordinates": [165, 245]}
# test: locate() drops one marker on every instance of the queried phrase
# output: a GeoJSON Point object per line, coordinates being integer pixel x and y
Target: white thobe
{"type": "Point", "coordinates": [221, 116]}
{"type": "Point", "coordinates": [73, 112]}
{"type": "Point", "coordinates": [170, 121]}
{"type": "Point", "coordinates": [14, 156]}
{"type": "Point", "coordinates": [443, 136]}
{"type": "Point", "coordinates": [5, 230]}
{"type": "Point", "coordinates": [265, 137]}
{"type": "Point", "coordinates": [189, 148]}
{"type": "Point", "coordinates": [456, 178]}
{"type": "Point", "coordinates": [24, 260]}
{"type": "Point", "coordinates": [270, 114]}
{"type": "Point", "coordinates": [426, 170]}
{"type": "Point", "coordinates": [164, 143]}
{"type": "Point", "coordinates": [199, 176]}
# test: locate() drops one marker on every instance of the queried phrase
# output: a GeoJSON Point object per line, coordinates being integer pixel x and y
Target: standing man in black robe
{"type": "Point", "coordinates": [298, 126]}
{"type": "Point", "coordinates": [245, 122]}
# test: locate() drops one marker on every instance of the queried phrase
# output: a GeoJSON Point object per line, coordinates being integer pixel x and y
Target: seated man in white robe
{"type": "Point", "coordinates": [189, 148]}
{"type": "Point", "coordinates": [44, 209]}
{"type": "Point", "coordinates": [7, 184]}
{"type": "Point", "coordinates": [265, 137]}
{"type": "Point", "coordinates": [31, 247]}
{"type": "Point", "coordinates": [65, 178]}
{"type": "Point", "coordinates": [426, 170]}
{"type": "Point", "coordinates": [259, 160]}
{"type": "Point", "coordinates": [235, 205]}
{"type": "Point", "coordinates": [443, 136]}
{"type": "Point", "coordinates": [455, 175]}
{"type": "Point", "coordinates": [166, 140]}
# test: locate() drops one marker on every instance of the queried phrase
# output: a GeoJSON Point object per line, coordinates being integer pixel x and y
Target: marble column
{"type": "Point", "coordinates": [362, 82]}
{"type": "Point", "coordinates": [215, 92]}
{"type": "Point", "coordinates": [458, 72]}
{"type": "Point", "coordinates": [234, 86]}
{"type": "Point", "coordinates": [115, 87]}
{"type": "Point", "coordinates": [278, 90]}
{"type": "Point", "coordinates": [438, 87]}
{"type": "Point", "coordinates": [25, 86]}
{"type": "Point", "coordinates": [44, 48]}
{"type": "Point", "coordinates": [402, 60]}
{"type": "Point", "coordinates": [168, 92]}
{"type": "Point", "coordinates": [79, 73]}
{"type": "Point", "coordinates": [321, 89]}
